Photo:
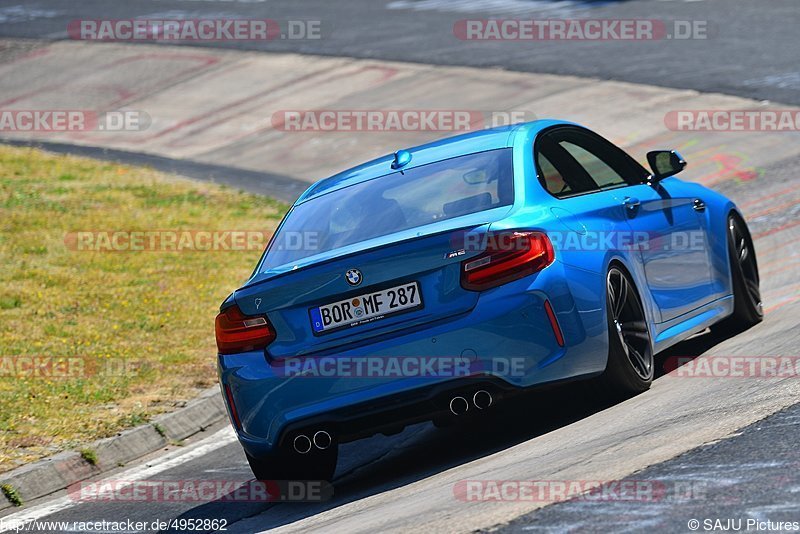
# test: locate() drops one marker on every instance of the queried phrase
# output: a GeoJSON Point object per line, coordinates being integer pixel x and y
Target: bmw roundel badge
{"type": "Point", "coordinates": [353, 277]}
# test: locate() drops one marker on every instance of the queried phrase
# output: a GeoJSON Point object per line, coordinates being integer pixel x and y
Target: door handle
{"type": "Point", "coordinates": [631, 202]}
{"type": "Point", "coordinates": [698, 205]}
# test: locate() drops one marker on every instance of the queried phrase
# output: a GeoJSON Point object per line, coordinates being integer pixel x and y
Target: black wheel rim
{"type": "Point", "coordinates": [745, 258]}
{"type": "Point", "coordinates": [629, 324]}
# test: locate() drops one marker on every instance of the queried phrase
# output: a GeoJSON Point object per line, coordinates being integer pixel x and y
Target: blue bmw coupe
{"type": "Point", "coordinates": [436, 282]}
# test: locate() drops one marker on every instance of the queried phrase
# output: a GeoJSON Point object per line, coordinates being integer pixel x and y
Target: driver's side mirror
{"type": "Point", "coordinates": [665, 163]}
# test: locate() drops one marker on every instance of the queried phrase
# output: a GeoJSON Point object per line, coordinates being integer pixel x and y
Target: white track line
{"type": "Point", "coordinates": [175, 458]}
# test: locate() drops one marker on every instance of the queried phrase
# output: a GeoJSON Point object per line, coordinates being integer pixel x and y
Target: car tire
{"type": "Point", "coordinates": [630, 367]}
{"type": "Point", "coordinates": [316, 465]}
{"type": "Point", "coordinates": [745, 281]}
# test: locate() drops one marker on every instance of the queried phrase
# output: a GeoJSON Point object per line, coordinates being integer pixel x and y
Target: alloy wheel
{"type": "Point", "coordinates": [746, 259]}
{"type": "Point", "coordinates": [627, 316]}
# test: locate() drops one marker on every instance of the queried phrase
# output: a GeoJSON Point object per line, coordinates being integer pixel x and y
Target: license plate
{"type": "Point", "coordinates": [365, 308]}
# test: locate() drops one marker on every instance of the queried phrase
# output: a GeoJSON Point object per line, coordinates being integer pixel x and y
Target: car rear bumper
{"type": "Point", "coordinates": [506, 342]}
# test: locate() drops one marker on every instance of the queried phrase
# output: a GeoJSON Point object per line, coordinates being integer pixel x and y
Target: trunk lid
{"type": "Point", "coordinates": [432, 259]}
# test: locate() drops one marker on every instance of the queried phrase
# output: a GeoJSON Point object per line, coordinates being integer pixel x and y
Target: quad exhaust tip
{"type": "Point", "coordinates": [459, 406]}
{"type": "Point", "coordinates": [322, 440]}
{"type": "Point", "coordinates": [482, 399]}
{"type": "Point", "coordinates": [302, 445]}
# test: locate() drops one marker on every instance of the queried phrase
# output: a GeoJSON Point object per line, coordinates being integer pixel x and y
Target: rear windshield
{"type": "Point", "coordinates": [392, 203]}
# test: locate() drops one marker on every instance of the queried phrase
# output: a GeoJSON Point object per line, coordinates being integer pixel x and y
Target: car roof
{"type": "Point", "coordinates": [442, 149]}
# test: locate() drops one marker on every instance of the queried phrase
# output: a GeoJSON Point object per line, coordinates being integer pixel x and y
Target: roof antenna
{"type": "Point", "coordinates": [401, 159]}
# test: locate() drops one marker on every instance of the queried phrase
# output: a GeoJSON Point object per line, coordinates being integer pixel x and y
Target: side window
{"type": "Point", "coordinates": [553, 181]}
{"type": "Point", "coordinates": [559, 172]}
{"type": "Point", "coordinates": [602, 174]}
{"type": "Point", "coordinates": [573, 161]}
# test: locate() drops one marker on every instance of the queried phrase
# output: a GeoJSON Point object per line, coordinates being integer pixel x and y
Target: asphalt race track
{"type": "Point", "coordinates": [748, 50]}
{"type": "Point", "coordinates": [755, 466]}
{"type": "Point", "coordinates": [732, 440]}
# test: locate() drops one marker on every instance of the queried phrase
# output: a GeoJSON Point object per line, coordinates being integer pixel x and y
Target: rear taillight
{"type": "Point", "coordinates": [509, 256]}
{"type": "Point", "coordinates": [237, 332]}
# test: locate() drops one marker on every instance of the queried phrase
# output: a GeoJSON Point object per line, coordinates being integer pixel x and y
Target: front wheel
{"type": "Point", "coordinates": [747, 309]}
{"type": "Point", "coordinates": [629, 370]}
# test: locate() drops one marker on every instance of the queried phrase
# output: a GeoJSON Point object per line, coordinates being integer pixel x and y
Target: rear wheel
{"type": "Point", "coordinates": [314, 465]}
{"type": "Point", "coordinates": [747, 309]}
{"type": "Point", "coordinates": [630, 353]}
